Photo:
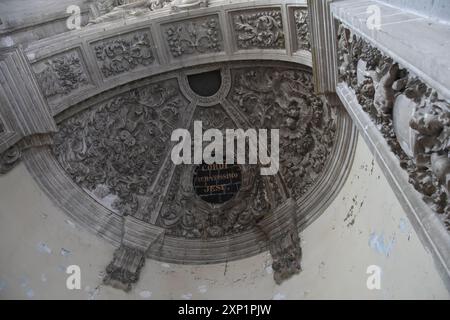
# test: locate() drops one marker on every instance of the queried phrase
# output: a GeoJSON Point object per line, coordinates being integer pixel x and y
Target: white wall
{"type": "Point", "coordinates": [364, 226]}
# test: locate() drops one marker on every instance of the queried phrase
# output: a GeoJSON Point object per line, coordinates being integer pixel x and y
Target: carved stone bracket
{"type": "Point", "coordinates": [284, 241]}
{"type": "Point", "coordinates": [129, 258]}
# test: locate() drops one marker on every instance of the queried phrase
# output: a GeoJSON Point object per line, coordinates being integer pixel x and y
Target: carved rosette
{"type": "Point", "coordinates": [412, 117]}
{"type": "Point", "coordinates": [301, 18]}
{"type": "Point", "coordinates": [259, 30]}
{"type": "Point", "coordinates": [62, 74]}
{"type": "Point", "coordinates": [125, 53]}
{"type": "Point", "coordinates": [194, 37]}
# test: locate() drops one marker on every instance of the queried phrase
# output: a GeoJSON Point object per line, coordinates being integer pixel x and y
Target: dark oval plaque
{"type": "Point", "coordinates": [217, 183]}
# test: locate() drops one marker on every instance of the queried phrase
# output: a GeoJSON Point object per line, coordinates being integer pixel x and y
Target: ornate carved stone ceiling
{"type": "Point", "coordinates": [117, 153]}
{"type": "Point", "coordinates": [119, 89]}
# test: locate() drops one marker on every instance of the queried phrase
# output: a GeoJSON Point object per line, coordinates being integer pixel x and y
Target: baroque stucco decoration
{"type": "Point", "coordinates": [118, 151]}
{"type": "Point", "coordinates": [412, 117]}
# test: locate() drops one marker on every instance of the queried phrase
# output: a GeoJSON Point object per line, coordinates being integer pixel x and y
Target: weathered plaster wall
{"type": "Point", "coordinates": [364, 226]}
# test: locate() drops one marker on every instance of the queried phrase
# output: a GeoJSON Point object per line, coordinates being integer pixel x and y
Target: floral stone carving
{"type": "Point", "coordinates": [124, 54]}
{"type": "Point", "coordinates": [194, 37]}
{"type": "Point", "coordinates": [61, 74]}
{"type": "Point", "coordinates": [301, 17]}
{"type": "Point", "coordinates": [259, 30]}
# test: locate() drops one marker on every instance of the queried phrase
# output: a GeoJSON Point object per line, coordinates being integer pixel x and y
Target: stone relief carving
{"type": "Point", "coordinates": [301, 17]}
{"type": "Point", "coordinates": [283, 99]}
{"type": "Point", "coordinates": [110, 10]}
{"type": "Point", "coordinates": [61, 74]}
{"type": "Point", "coordinates": [124, 53]}
{"type": "Point", "coordinates": [382, 87]}
{"type": "Point", "coordinates": [259, 30]}
{"type": "Point", "coordinates": [114, 150]}
{"type": "Point", "coordinates": [194, 37]}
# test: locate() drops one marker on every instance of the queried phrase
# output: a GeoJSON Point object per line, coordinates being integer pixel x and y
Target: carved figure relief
{"type": "Point", "coordinates": [379, 83]}
{"type": "Point", "coordinates": [125, 53]}
{"type": "Point", "coordinates": [259, 30]}
{"type": "Point", "coordinates": [194, 37]}
{"type": "Point", "coordinates": [62, 74]}
{"type": "Point", "coordinates": [301, 17]}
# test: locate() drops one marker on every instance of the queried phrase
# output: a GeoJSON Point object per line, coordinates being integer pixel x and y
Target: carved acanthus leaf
{"type": "Point", "coordinates": [124, 54]}
{"type": "Point", "coordinates": [259, 30]}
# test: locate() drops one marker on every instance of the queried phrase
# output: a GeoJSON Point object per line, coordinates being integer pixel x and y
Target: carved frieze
{"type": "Point", "coordinates": [259, 29]}
{"type": "Point", "coordinates": [62, 75]}
{"type": "Point", "coordinates": [301, 19]}
{"type": "Point", "coordinates": [382, 88]}
{"type": "Point", "coordinates": [194, 37]}
{"type": "Point", "coordinates": [124, 53]}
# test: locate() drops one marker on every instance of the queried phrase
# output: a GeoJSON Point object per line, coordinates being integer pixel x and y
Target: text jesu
{"type": "Point", "coordinates": [253, 310]}
{"type": "Point", "coordinates": [214, 151]}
